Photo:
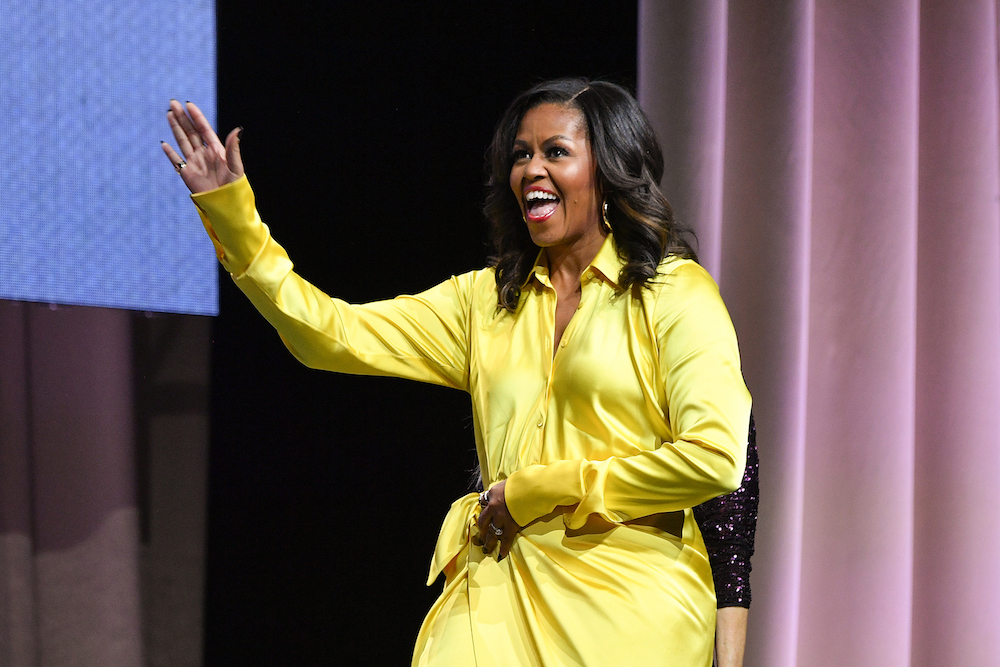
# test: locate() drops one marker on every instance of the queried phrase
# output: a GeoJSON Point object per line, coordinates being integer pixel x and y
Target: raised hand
{"type": "Point", "coordinates": [206, 164]}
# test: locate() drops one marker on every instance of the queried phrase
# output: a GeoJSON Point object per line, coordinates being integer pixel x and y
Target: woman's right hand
{"type": "Point", "coordinates": [206, 164]}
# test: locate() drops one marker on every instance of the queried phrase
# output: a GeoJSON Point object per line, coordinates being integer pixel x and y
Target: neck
{"type": "Point", "coordinates": [566, 265]}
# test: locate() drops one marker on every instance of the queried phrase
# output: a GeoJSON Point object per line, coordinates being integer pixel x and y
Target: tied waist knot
{"type": "Point", "coordinates": [455, 533]}
{"type": "Point", "coordinates": [462, 516]}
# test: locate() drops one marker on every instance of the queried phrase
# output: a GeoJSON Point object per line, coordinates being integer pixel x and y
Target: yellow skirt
{"type": "Point", "coordinates": [621, 595]}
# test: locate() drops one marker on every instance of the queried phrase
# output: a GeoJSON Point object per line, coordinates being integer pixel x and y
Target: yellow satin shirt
{"type": "Point", "coordinates": [606, 443]}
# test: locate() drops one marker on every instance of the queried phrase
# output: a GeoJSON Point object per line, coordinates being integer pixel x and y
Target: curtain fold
{"type": "Point", "coordinates": [848, 206]}
{"type": "Point", "coordinates": [17, 586]}
{"type": "Point", "coordinates": [103, 471]}
{"type": "Point", "coordinates": [68, 524]}
{"type": "Point", "coordinates": [956, 606]}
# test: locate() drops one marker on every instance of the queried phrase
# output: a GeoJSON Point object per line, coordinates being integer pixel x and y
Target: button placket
{"type": "Point", "coordinates": [548, 335]}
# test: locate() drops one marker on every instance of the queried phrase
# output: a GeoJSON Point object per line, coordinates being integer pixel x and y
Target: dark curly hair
{"type": "Point", "coordinates": [629, 168]}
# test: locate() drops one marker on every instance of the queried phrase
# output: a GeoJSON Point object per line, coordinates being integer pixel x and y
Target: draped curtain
{"type": "Point", "coordinates": [103, 448]}
{"type": "Point", "coordinates": [840, 162]}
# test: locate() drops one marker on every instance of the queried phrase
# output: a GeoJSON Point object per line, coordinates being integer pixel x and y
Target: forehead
{"type": "Point", "coordinates": [548, 120]}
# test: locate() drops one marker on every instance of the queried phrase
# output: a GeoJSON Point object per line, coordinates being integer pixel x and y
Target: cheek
{"type": "Point", "coordinates": [583, 187]}
{"type": "Point", "coordinates": [514, 181]}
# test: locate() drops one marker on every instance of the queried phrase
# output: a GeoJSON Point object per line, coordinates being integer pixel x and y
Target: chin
{"type": "Point", "coordinates": [543, 240]}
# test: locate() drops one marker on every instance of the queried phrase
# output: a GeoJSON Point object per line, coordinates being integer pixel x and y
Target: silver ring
{"type": "Point", "coordinates": [496, 531]}
{"type": "Point", "coordinates": [180, 165]}
{"type": "Point", "coordinates": [484, 498]}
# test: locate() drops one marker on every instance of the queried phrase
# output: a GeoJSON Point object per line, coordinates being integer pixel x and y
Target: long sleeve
{"type": "Point", "coordinates": [706, 403]}
{"type": "Point", "coordinates": [729, 525]}
{"type": "Point", "coordinates": [422, 337]}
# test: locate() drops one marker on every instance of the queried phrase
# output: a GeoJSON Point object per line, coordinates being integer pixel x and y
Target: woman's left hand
{"type": "Point", "coordinates": [496, 526]}
{"type": "Point", "coordinates": [206, 163]}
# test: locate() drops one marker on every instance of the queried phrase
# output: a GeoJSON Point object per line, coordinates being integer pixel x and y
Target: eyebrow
{"type": "Point", "coordinates": [555, 137]}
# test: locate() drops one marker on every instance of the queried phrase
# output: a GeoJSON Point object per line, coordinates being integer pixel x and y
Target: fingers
{"type": "Point", "coordinates": [203, 163]}
{"type": "Point", "coordinates": [497, 534]}
{"type": "Point", "coordinates": [234, 159]}
{"type": "Point", "coordinates": [171, 153]}
{"type": "Point", "coordinates": [486, 536]}
{"type": "Point", "coordinates": [487, 532]}
{"type": "Point", "coordinates": [180, 136]}
{"type": "Point", "coordinates": [496, 527]}
{"type": "Point", "coordinates": [506, 542]}
{"type": "Point", "coordinates": [184, 132]}
{"type": "Point", "coordinates": [180, 164]}
{"type": "Point", "coordinates": [202, 128]}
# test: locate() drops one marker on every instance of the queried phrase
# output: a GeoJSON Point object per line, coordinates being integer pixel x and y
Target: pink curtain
{"type": "Point", "coordinates": [840, 161]}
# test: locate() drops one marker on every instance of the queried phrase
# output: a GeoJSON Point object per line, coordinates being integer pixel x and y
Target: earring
{"type": "Point", "coordinates": [607, 223]}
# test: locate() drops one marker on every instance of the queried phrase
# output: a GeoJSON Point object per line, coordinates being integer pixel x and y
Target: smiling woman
{"type": "Point", "coordinates": [621, 190]}
{"type": "Point", "coordinates": [604, 377]}
{"type": "Point", "coordinates": [553, 179]}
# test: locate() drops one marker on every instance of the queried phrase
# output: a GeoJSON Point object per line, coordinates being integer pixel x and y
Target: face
{"type": "Point", "coordinates": [553, 178]}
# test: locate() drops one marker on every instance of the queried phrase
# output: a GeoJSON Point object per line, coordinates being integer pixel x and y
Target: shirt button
{"type": "Point", "coordinates": [562, 343]}
{"type": "Point", "coordinates": [541, 420]}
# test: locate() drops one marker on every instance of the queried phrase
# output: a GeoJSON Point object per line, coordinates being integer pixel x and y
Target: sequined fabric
{"type": "Point", "coordinates": [728, 525]}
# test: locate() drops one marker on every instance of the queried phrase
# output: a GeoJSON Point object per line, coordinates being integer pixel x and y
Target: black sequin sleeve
{"type": "Point", "coordinates": [728, 525]}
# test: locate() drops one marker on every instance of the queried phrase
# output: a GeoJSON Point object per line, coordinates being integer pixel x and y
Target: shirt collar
{"type": "Point", "coordinates": [606, 265]}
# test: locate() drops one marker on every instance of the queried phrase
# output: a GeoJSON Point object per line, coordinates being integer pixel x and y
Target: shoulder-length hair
{"type": "Point", "coordinates": [629, 165]}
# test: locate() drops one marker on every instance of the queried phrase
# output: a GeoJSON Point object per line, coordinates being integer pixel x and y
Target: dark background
{"type": "Point", "coordinates": [365, 130]}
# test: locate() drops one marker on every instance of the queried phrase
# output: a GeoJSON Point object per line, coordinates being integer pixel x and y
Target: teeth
{"type": "Point", "coordinates": [534, 195]}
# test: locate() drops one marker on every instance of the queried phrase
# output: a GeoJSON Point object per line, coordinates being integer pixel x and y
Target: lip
{"type": "Point", "coordinates": [537, 218]}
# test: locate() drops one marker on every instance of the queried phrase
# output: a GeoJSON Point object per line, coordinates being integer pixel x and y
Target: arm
{"type": "Point", "coordinates": [730, 636]}
{"type": "Point", "coordinates": [421, 337]}
{"type": "Point", "coordinates": [708, 407]}
{"type": "Point", "coordinates": [729, 525]}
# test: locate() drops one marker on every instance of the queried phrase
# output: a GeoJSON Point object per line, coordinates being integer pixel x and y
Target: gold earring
{"type": "Point", "coordinates": [607, 223]}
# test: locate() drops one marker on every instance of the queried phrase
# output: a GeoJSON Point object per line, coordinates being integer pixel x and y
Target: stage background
{"type": "Point", "coordinates": [841, 162]}
{"type": "Point", "coordinates": [88, 217]}
{"type": "Point", "coordinates": [364, 139]}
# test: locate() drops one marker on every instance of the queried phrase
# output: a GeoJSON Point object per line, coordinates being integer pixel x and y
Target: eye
{"type": "Point", "coordinates": [557, 151]}
{"type": "Point", "coordinates": [520, 154]}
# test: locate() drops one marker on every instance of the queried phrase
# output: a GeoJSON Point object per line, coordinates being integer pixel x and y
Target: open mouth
{"type": "Point", "coordinates": [539, 205]}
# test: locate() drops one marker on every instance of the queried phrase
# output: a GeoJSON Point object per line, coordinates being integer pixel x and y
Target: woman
{"type": "Point", "coordinates": [604, 376]}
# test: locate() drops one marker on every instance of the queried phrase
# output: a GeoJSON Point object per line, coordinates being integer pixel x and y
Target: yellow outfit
{"type": "Point", "coordinates": [605, 444]}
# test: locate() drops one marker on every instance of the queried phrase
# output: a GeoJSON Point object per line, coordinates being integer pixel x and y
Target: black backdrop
{"type": "Point", "coordinates": [364, 136]}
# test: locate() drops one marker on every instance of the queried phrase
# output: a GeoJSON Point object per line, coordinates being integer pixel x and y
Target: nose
{"type": "Point", "coordinates": [535, 168]}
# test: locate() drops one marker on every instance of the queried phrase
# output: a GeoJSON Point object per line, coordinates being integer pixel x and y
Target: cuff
{"type": "Point", "coordinates": [537, 490]}
{"type": "Point", "coordinates": [230, 217]}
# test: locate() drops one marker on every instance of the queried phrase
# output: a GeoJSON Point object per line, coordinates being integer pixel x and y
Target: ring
{"type": "Point", "coordinates": [496, 531]}
{"type": "Point", "coordinates": [180, 165]}
{"type": "Point", "coordinates": [484, 498]}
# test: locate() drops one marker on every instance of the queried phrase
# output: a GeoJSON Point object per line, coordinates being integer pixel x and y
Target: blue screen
{"type": "Point", "coordinates": [91, 213]}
